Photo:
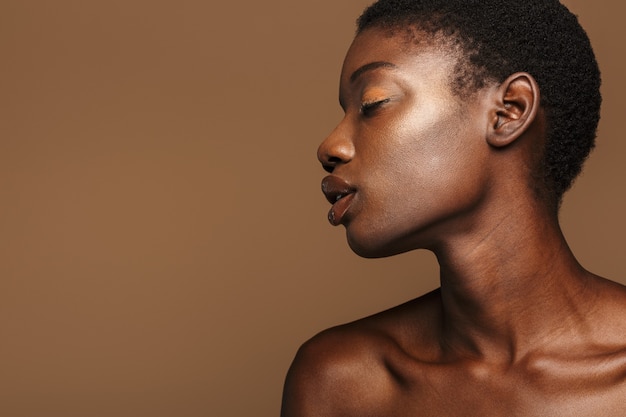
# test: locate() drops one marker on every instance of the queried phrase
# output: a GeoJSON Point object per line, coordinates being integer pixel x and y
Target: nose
{"type": "Point", "coordinates": [336, 149]}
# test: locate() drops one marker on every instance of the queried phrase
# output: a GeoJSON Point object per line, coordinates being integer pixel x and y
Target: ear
{"type": "Point", "coordinates": [517, 103]}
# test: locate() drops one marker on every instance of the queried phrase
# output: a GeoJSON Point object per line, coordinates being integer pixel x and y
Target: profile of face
{"type": "Point", "coordinates": [409, 162]}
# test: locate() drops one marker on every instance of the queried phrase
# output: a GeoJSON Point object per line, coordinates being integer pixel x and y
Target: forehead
{"type": "Point", "coordinates": [404, 50]}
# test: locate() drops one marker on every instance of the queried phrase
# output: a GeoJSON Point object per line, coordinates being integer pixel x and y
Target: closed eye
{"type": "Point", "coordinates": [368, 108]}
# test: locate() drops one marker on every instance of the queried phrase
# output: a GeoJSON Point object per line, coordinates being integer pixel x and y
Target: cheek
{"type": "Point", "coordinates": [430, 149]}
{"type": "Point", "coordinates": [415, 155]}
{"type": "Point", "coordinates": [422, 169]}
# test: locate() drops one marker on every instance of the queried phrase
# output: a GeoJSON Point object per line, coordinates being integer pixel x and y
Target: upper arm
{"type": "Point", "coordinates": [295, 391]}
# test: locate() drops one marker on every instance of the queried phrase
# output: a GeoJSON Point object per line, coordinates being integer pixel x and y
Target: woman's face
{"type": "Point", "coordinates": [408, 160]}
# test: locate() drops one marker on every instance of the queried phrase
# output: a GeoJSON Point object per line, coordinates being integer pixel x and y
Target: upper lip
{"type": "Point", "coordinates": [335, 188]}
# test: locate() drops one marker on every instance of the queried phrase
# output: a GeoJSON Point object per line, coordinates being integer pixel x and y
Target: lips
{"type": "Point", "coordinates": [340, 194]}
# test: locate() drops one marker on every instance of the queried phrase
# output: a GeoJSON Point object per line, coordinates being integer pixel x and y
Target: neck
{"type": "Point", "coordinates": [514, 285]}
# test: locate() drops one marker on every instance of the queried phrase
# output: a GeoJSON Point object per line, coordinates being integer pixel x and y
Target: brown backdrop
{"type": "Point", "coordinates": [163, 242]}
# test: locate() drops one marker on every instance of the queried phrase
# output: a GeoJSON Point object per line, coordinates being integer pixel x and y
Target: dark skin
{"type": "Point", "coordinates": [518, 327]}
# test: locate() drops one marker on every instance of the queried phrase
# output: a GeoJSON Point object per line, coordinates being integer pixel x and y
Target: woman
{"type": "Point", "coordinates": [465, 122]}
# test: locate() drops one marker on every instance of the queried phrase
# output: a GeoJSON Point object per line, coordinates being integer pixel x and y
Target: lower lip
{"type": "Point", "coordinates": [338, 210]}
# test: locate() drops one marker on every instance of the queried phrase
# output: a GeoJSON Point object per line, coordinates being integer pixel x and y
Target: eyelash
{"type": "Point", "coordinates": [369, 107]}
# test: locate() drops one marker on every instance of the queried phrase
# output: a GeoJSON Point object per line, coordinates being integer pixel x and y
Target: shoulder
{"type": "Point", "coordinates": [352, 369]}
{"type": "Point", "coordinates": [610, 313]}
{"type": "Point", "coordinates": [337, 372]}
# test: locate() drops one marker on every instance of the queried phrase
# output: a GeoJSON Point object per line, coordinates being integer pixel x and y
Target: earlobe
{"type": "Point", "coordinates": [517, 103]}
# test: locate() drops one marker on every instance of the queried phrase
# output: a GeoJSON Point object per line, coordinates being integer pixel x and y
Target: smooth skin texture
{"type": "Point", "coordinates": [518, 327]}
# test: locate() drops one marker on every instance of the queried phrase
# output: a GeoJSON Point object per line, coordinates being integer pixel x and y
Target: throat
{"type": "Point", "coordinates": [498, 305]}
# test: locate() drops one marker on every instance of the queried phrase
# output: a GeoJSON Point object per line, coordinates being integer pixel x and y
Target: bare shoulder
{"type": "Point", "coordinates": [351, 369]}
{"type": "Point", "coordinates": [598, 360]}
{"type": "Point", "coordinates": [611, 321]}
{"type": "Point", "coordinates": [337, 372]}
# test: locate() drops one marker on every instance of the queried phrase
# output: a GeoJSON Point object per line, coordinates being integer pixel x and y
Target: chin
{"type": "Point", "coordinates": [372, 247]}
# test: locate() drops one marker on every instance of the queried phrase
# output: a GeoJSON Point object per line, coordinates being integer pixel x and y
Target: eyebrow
{"type": "Point", "coordinates": [370, 67]}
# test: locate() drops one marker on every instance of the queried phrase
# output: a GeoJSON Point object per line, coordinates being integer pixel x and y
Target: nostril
{"type": "Point", "coordinates": [330, 163]}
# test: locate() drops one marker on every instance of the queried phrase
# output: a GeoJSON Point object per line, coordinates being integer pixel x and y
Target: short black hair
{"type": "Point", "coordinates": [499, 38]}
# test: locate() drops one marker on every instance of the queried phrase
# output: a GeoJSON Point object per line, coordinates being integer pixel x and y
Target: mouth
{"type": "Point", "coordinates": [339, 193]}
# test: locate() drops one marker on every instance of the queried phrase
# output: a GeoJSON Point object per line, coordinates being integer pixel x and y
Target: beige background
{"type": "Point", "coordinates": [163, 242]}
